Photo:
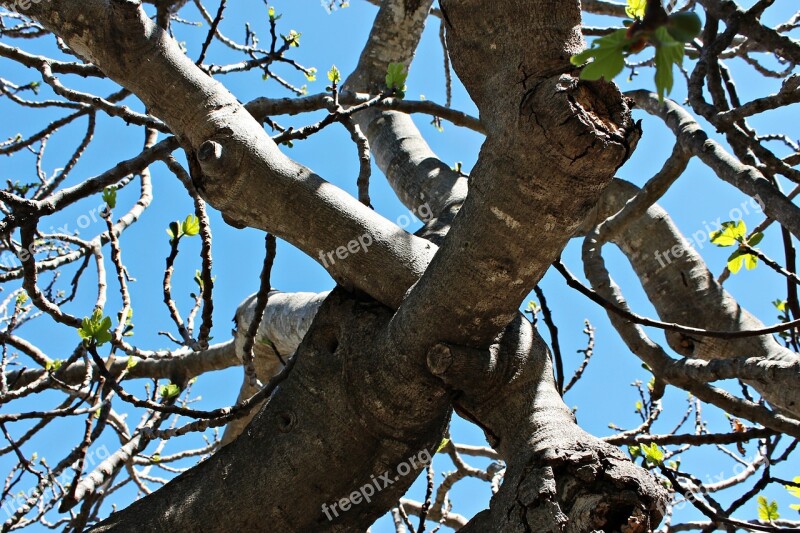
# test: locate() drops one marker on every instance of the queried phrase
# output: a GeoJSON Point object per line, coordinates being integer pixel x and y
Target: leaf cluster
{"type": "Point", "coordinates": [734, 233]}
{"type": "Point", "coordinates": [606, 57]}
{"type": "Point", "coordinates": [95, 329]}
{"type": "Point", "coordinates": [396, 75]}
{"type": "Point", "coordinates": [189, 228]}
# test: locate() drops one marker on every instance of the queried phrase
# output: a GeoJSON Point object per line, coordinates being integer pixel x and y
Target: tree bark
{"type": "Point", "coordinates": [372, 388]}
{"type": "Point", "coordinates": [683, 291]}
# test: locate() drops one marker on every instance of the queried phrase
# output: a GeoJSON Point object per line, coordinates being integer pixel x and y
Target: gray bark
{"type": "Point", "coordinates": [684, 291]}
{"type": "Point", "coordinates": [283, 325]}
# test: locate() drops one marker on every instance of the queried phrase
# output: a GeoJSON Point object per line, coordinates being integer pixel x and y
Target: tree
{"type": "Point", "coordinates": [362, 382]}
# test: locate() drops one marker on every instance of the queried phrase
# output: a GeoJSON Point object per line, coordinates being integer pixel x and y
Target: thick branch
{"type": "Point", "coordinates": [238, 168]}
{"type": "Point", "coordinates": [420, 179]}
{"type": "Point", "coordinates": [554, 143]}
{"type": "Point", "coordinates": [681, 288]}
{"type": "Point", "coordinates": [283, 326]}
{"type": "Point", "coordinates": [746, 178]}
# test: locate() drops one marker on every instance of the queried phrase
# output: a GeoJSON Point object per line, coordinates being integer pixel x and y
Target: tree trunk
{"type": "Point", "coordinates": [415, 330]}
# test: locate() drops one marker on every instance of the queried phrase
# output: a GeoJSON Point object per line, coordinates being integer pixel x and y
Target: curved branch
{"type": "Point", "coordinates": [746, 178]}
{"type": "Point", "coordinates": [236, 166]}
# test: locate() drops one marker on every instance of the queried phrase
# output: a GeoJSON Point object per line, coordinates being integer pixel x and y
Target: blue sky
{"type": "Point", "coordinates": [602, 397]}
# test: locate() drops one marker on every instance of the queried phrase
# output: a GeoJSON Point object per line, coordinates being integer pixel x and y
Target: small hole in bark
{"type": "Point", "coordinates": [327, 340]}
{"type": "Point", "coordinates": [617, 519]}
{"type": "Point", "coordinates": [286, 421]}
{"type": "Point", "coordinates": [333, 345]}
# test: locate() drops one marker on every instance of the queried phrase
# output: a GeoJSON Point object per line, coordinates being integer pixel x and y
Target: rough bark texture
{"type": "Point", "coordinates": [559, 478]}
{"type": "Point", "coordinates": [283, 325]}
{"type": "Point", "coordinates": [547, 132]}
{"type": "Point", "coordinates": [328, 430]}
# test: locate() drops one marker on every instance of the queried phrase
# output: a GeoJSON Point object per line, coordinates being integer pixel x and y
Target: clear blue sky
{"type": "Point", "coordinates": [602, 397]}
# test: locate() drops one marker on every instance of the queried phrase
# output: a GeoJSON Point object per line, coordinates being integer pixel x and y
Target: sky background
{"type": "Point", "coordinates": [603, 396]}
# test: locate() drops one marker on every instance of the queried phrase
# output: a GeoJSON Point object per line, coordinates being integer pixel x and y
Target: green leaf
{"type": "Point", "coordinates": [22, 297]}
{"type": "Point", "coordinates": [156, 457]}
{"type": "Point", "coordinates": [684, 26]}
{"type": "Point", "coordinates": [191, 226]}
{"type": "Point", "coordinates": [54, 365]}
{"type": "Point", "coordinates": [334, 76]}
{"type": "Point", "coordinates": [103, 334]}
{"type": "Point", "coordinates": [168, 391]}
{"type": "Point", "coordinates": [131, 362]}
{"type": "Point", "coordinates": [85, 330]}
{"type": "Point", "coordinates": [638, 406]}
{"type": "Point", "coordinates": [174, 231]}
{"type": "Point", "coordinates": [652, 454]}
{"type": "Point", "coordinates": [780, 305]}
{"type": "Point", "coordinates": [311, 74]}
{"type": "Point", "coordinates": [635, 8]}
{"type": "Point", "coordinates": [198, 278]}
{"type": "Point", "coordinates": [731, 233]}
{"type": "Point", "coordinates": [442, 445]}
{"type": "Point", "coordinates": [669, 52]}
{"type": "Point", "coordinates": [110, 196]}
{"type": "Point", "coordinates": [128, 330]}
{"type": "Point", "coordinates": [767, 511]}
{"type": "Point", "coordinates": [95, 329]}
{"type": "Point", "coordinates": [794, 491]}
{"type": "Point", "coordinates": [607, 55]}
{"type": "Point", "coordinates": [396, 75]}
{"type": "Point", "coordinates": [739, 258]}
{"type": "Point", "coordinates": [634, 451]}
{"type": "Point", "coordinates": [755, 239]}
{"type": "Point", "coordinates": [735, 262]}
{"type": "Point", "coordinates": [293, 39]}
